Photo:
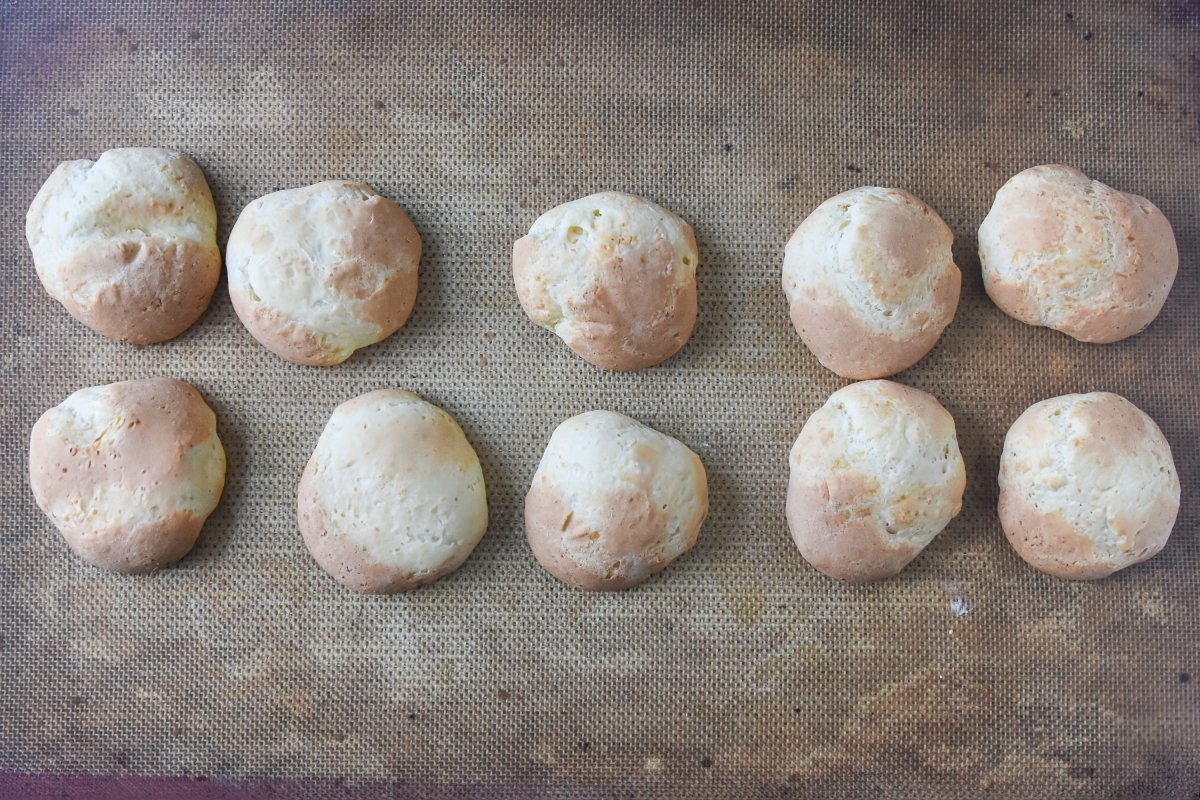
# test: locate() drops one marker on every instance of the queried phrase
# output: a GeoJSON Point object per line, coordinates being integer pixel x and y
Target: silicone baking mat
{"type": "Point", "coordinates": [740, 671]}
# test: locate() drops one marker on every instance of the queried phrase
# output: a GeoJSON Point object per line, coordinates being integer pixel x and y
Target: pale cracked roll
{"type": "Point", "coordinates": [1069, 253]}
{"type": "Point", "coordinates": [393, 496]}
{"type": "Point", "coordinates": [614, 276]}
{"type": "Point", "coordinates": [317, 272]}
{"type": "Point", "coordinates": [613, 502]}
{"type": "Point", "coordinates": [128, 472]}
{"type": "Point", "coordinates": [1087, 486]}
{"type": "Point", "coordinates": [128, 242]}
{"type": "Point", "coordinates": [875, 475]}
{"type": "Point", "coordinates": [870, 281]}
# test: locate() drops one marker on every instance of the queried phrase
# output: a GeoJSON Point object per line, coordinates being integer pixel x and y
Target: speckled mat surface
{"type": "Point", "coordinates": [738, 672]}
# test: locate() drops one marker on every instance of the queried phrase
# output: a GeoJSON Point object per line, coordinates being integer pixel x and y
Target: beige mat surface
{"type": "Point", "coordinates": [740, 671]}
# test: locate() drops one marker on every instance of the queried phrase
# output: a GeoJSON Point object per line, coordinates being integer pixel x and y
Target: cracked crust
{"type": "Point", "coordinates": [875, 475]}
{"type": "Point", "coordinates": [614, 276]}
{"type": "Point", "coordinates": [318, 272]}
{"type": "Point", "coordinates": [127, 243]}
{"type": "Point", "coordinates": [1066, 252]}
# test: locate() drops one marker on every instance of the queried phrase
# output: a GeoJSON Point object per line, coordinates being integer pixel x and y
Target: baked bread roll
{"type": "Point", "coordinates": [1087, 486]}
{"type": "Point", "coordinates": [875, 475]}
{"type": "Point", "coordinates": [1069, 253]}
{"type": "Point", "coordinates": [613, 502]}
{"type": "Point", "coordinates": [128, 472]}
{"type": "Point", "coordinates": [128, 242]}
{"type": "Point", "coordinates": [393, 496]}
{"type": "Point", "coordinates": [870, 281]}
{"type": "Point", "coordinates": [614, 276]}
{"type": "Point", "coordinates": [317, 272]}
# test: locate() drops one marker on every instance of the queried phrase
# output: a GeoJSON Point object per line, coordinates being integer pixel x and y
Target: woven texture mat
{"type": "Point", "coordinates": [740, 671]}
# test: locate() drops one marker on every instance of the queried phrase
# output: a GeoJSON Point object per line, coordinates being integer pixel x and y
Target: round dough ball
{"type": "Point", "coordinates": [613, 502]}
{"type": "Point", "coordinates": [393, 497]}
{"type": "Point", "coordinates": [875, 475]}
{"type": "Point", "coordinates": [127, 243]}
{"type": "Point", "coordinates": [870, 281]}
{"type": "Point", "coordinates": [614, 276]}
{"type": "Point", "coordinates": [1066, 252]}
{"type": "Point", "coordinates": [317, 272]}
{"type": "Point", "coordinates": [1087, 486]}
{"type": "Point", "coordinates": [128, 472]}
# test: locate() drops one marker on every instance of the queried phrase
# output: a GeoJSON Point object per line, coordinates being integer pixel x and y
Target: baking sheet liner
{"type": "Point", "coordinates": [740, 671]}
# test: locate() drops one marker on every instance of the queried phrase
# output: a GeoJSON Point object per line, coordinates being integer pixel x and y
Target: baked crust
{"type": "Point", "coordinates": [603, 524]}
{"type": "Point", "coordinates": [146, 454]}
{"type": "Point", "coordinates": [356, 251]}
{"type": "Point", "coordinates": [385, 459]}
{"type": "Point", "coordinates": [871, 282]}
{"type": "Point", "coordinates": [1063, 251]}
{"type": "Point", "coordinates": [629, 299]}
{"type": "Point", "coordinates": [1087, 486]}
{"type": "Point", "coordinates": [862, 504]}
{"type": "Point", "coordinates": [132, 255]}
